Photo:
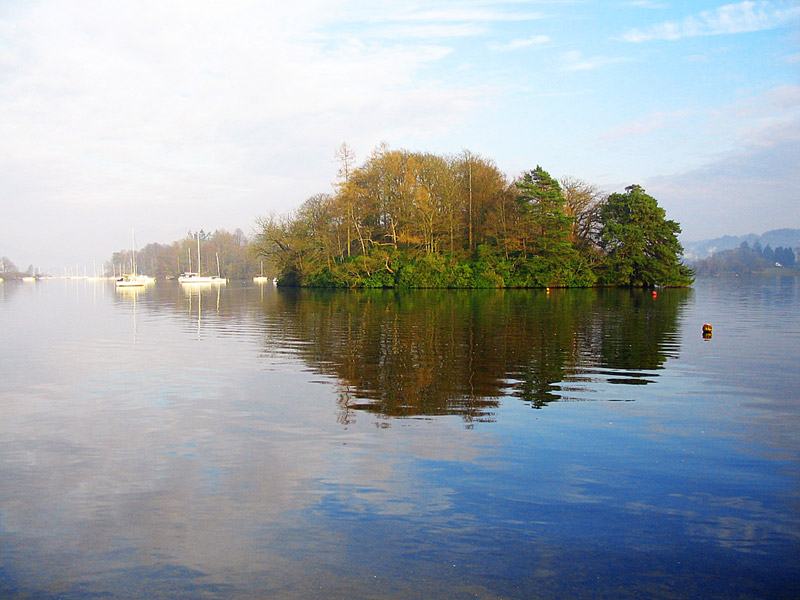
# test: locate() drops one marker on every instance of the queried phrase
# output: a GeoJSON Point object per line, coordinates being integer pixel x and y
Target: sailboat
{"type": "Point", "coordinates": [191, 277]}
{"type": "Point", "coordinates": [261, 278]}
{"type": "Point", "coordinates": [218, 279]}
{"type": "Point", "coordinates": [133, 279]}
{"type": "Point", "coordinates": [94, 276]}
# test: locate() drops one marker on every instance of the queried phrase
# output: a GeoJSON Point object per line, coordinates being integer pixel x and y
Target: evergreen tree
{"type": "Point", "coordinates": [789, 257]}
{"type": "Point", "coordinates": [542, 203]}
{"type": "Point", "coordinates": [784, 256]}
{"type": "Point", "coordinates": [641, 244]}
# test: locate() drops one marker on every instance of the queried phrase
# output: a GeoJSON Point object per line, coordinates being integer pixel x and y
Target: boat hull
{"type": "Point", "coordinates": [133, 281]}
{"type": "Point", "coordinates": [195, 278]}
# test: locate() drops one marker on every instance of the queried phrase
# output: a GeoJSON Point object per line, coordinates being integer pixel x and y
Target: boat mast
{"type": "Point", "coordinates": [133, 251]}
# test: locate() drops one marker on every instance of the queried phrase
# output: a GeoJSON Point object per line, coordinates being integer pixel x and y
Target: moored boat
{"type": "Point", "coordinates": [133, 279]}
{"type": "Point", "coordinates": [192, 278]}
{"type": "Point", "coordinates": [195, 278]}
{"type": "Point", "coordinates": [261, 278]}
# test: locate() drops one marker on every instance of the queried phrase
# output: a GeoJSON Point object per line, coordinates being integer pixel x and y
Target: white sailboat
{"type": "Point", "coordinates": [194, 278]}
{"type": "Point", "coordinates": [95, 276]}
{"type": "Point", "coordinates": [218, 279]}
{"type": "Point", "coordinates": [133, 279]}
{"type": "Point", "coordinates": [261, 278]}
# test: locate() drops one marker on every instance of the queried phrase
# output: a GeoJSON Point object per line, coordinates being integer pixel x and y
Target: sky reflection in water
{"type": "Point", "coordinates": [256, 442]}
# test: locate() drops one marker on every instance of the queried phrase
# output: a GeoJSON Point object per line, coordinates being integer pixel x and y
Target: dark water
{"type": "Point", "coordinates": [254, 442]}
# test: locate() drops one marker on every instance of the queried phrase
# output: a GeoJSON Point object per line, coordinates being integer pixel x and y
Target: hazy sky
{"type": "Point", "coordinates": [166, 116]}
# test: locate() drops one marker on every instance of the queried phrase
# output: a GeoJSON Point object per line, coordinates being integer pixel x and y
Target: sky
{"type": "Point", "coordinates": [170, 116]}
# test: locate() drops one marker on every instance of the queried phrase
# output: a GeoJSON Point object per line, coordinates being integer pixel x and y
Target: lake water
{"type": "Point", "coordinates": [254, 442]}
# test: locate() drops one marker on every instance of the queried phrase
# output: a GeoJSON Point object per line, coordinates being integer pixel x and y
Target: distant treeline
{"type": "Point", "coordinates": [419, 220]}
{"type": "Point", "coordinates": [10, 271]}
{"type": "Point", "coordinates": [747, 259]}
{"type": "Point", "coordinates": [785, 237]}
{"type": "Point", "coordinates": [236, 255]}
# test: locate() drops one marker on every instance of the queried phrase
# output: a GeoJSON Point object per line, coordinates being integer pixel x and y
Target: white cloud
{"type": "Point", "coordinates": [645, 4]}
{"type": "Point", "coordinates": [529, 42]}
{"type": "Point", "coordinates": [742, 17]}
{"type": "Point", "coordinates": [754, 185]}
{"type": "Point", "coordinates": [457, 13]}
{"type": "Point", "coordinates": [674, 141]}
{"type": "Point", "coordinates": [174, 94]}
{"type": "Point", "coordinates": [433, 21]}
{"type": "Point", "coordinates": [760, 121]}
{"type": "Point", "coordinates": [205, 114]}
{"type": "Point", "coordinates": [648, 4]}
{"type": "Point", "coordinates": [754, 121]}
{"type": "Point", "coordinates": [430, 31]}
{"type": "Point", "coordinates": [749, 191]}
{"type": "Point", "coordinates": [574, 60]}
{"type": "Point", "coordinates": [647, 125]}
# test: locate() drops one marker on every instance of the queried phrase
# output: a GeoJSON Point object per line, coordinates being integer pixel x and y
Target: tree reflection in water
{"type": "Point", "coordinates": [434, 352]}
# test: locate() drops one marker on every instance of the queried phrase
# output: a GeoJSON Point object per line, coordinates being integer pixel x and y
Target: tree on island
{"type": "Point", "coordinates": [541, 203]}
{"type": "Point", "coordinates": [547, 231]}
{"type": "Point", "coordinates": [582, 202]}
{"type": "Point", "coordinates": [641, 244]}
{"type": "Point", "coordinates": [418, 220]}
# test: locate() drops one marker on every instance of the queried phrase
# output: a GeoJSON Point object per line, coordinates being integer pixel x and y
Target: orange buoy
{"type": "Point", "coordinates": [707, 328]}
{"type": "Point", "coordinates": [655, 294]}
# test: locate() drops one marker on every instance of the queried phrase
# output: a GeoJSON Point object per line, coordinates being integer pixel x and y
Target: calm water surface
{"type": "Point", "coordinates": [254, 442]}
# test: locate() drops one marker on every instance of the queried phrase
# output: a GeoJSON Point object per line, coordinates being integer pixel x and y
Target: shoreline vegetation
{"type": "Point", "coordinates": [747, 260]}
{"type": "Point", "coordinates": [418, 220]}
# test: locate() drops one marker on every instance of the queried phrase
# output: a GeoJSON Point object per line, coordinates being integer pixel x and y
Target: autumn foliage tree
{"type": "Point", "coordinates": [411, 219]}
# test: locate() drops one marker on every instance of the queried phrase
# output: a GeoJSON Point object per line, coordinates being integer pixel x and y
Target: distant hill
{"type": "Point", "coordinates": [787, 238]}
